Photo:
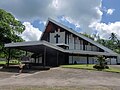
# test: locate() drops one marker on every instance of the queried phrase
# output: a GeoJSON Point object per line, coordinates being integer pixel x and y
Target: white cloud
{"type": "Point", "coordinates": [79, 12]}
{"type": "Point", "coordinates": [31, 33]}
{"type": "Point", "coordinates": [105, 30]}
{"type": "Point", "coordinates": [85, 14]}
{"type": "Point", "coordinates": [110, 11]}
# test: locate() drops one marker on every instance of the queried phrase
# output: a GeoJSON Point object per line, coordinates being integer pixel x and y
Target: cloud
{"type": "Point", "coordinates": [31, 33]}
{"type": "Point", "coordinates": [84, 14]}
{"type": "Point", "coordinates": [110, 11]}
{"type": "Point", "coordinates": [105, 30]}
{"type": "Point", "coordinates": [79, 12]}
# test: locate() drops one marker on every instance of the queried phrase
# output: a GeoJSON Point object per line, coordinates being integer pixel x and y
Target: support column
{"type": "Point", "coordinates": [26, 53]}
{"type": "Point", "coordinates": [9, 52]}
{"type": "Point", "coordinates": [44, 56]}
{"type": "Point", "coordinates": [117, 60]}
{"type": "Point", "coordinates": [35, 58]}
{"type": "Point", "coordinates": [87, 59]}
{"type": "Point", "coordinates": [72, 58]}
{"type": "Point", "coordinates": [110, 60]}
{"type": "Point", "coordinates": [57, 57]}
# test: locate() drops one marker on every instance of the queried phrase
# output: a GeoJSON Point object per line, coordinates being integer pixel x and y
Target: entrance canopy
{"type": "Point", "coordinates": [50, 52]}
{"type": "Point", "coordinates": [34, 46]}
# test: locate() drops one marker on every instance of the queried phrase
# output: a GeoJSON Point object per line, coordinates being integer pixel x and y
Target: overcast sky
{"type": "Point", "coordinates": [91, 16]}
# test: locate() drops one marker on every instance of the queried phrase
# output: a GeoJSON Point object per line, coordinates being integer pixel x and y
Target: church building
{"type": "Point", "coordinates": [60, 45]}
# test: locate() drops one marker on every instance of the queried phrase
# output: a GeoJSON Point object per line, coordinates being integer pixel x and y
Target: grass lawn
{"type": "Point", "coordinates": [90, 67]}
{"type": "Point", "coordinates": [12, 62]}
{"type": "Point", "coordinates": [2, 62]}
{"type": "Point", "coordinates": [79, 66]}
{"type": "Point", "coordinates": [113, 69]}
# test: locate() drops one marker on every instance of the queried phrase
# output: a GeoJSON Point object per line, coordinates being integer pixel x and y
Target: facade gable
{"type": "Point", "coordinates": [71, 38]}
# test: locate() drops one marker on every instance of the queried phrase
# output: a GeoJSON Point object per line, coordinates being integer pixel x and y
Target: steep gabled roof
{"type": "Point", "coordinates": [79, 35]}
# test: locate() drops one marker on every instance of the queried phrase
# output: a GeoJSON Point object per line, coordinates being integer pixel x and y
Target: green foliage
{"type": "Point", "coordinates": [11, 62]}
{"type": "Point", "coordinates": [113, 43]}
{"type": "Point", "coordinates": [113, 37]}
{"type": "Point", "coordinates": [79, 66]}
{"type": "Point", "coordinates": [101, 63]}
{"type": "Point", "coordinates": [98, 67]}
{"type": "Point", "coordinates": [9, 30]}
{"type": "Point", "coordinates": [9, 27]}
{"type": "Point", "coordinates": [90, 67]}
{"type": "Point", "coordinates": [89, 36]}
{"type": "Point", "coordinates": [2, 63]}
{"type": "Point", "coordinates": [14, 62]}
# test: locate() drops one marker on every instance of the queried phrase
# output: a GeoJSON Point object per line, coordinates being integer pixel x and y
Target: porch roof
{"type": "Point", "coordinates": [33, 46]}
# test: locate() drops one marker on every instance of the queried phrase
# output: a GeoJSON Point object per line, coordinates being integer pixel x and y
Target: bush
{"type": "Point", "coordinates": [102, 64]}
{"type": "Point", "coordinates": [106, 67]}
{"type": "Point", "coordinates": [98, 67]}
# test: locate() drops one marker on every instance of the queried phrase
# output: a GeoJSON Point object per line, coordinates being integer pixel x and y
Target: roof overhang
{"type": "Point", "coordinates": [33, 46]}
{"type": "Point", "coordinates": [38, 46]}
{"type": "Point", "coordinates": [90, 53]}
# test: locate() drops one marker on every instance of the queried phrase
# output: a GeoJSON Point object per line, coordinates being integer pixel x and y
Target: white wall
{"type": "Point", "coordinates": [74, 42]}
{"type": "Point", "coordinates": [77, 44]}
{"type": "Point", "coordinates": [78, 59]}
{"type": "Point", "coordinates": [61, 39]}
{"type": "Point", "coordinates": [71, 41]}
{"type": "Point", "coordinates": [82, 60]}
{"type": "Point", "coordinates": [118, 59]}
{"type": "Point", "coordinates": [70, 60]}
{"type": "Point", "coordinates": [93, 60]}
{"type": "Point", "coordinates": [111, 61]}
{"type": "Point", "coordinates": [38, 60]}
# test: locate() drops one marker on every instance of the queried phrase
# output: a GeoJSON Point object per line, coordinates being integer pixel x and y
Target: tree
{"type": "Point", "coordinates": [113, 43]}
{"type": "Point", "coordinates": [118, 47]}
{"type": "Point", "coordinates": [113, 37]}
{"type": "Point", "coordinates": [9, 29]}
{"type": "Point", "coordinates": [87, 35]}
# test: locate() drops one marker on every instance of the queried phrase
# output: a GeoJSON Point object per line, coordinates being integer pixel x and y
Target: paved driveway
{"type": "Point", "coordinates": [63, 77]}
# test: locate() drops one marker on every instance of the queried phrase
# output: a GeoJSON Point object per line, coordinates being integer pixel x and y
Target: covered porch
{"type": "Point", "coordinates": [44, 53]}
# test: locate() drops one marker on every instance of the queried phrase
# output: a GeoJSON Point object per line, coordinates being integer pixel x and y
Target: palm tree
{"type": "Point", "coordinates": [113, 37]}
{"type": "Point", "coordinates": [113, 41]}
{"type": "Point", "coordinates": [101, 63]}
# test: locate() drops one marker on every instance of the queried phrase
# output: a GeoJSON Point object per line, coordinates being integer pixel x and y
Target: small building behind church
{"type": "Point", "coordinates": [60, 45]}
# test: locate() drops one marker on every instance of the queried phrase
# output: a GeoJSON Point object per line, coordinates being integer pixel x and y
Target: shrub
{"type": "Point", "coordinates": [106, 67]}
{"type": "Point", "coordinates": [102, 64]}
{"type": "Point", "coordinates": [98, 67]}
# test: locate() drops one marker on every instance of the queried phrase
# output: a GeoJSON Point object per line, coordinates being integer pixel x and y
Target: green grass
{"type": "Point", "coordinates": [113, 69]}
{"type": "Point", "coordinates": [79, 66]}
{"type": "Point", "coordinates": [12, 62]}
{"type": "Point", "coordinates": [2, 62]}
{"type": "Point", "coordinates": [90, 67]}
